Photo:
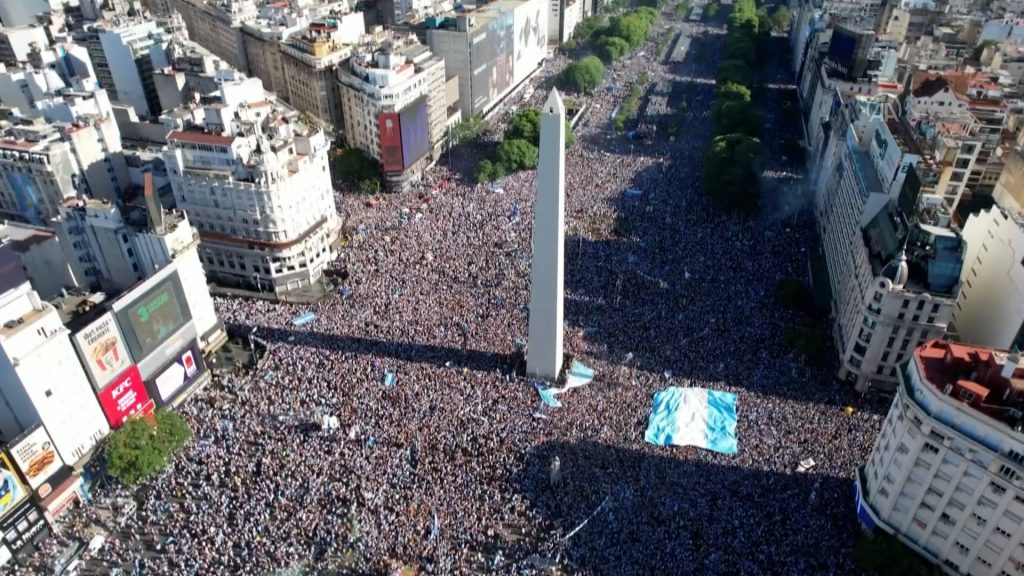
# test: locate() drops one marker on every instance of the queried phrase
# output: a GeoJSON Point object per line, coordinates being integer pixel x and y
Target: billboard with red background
{"type": "Point", "coordinates": [390, 141]}
{"type": "Point", "coordinates": [125, 397]}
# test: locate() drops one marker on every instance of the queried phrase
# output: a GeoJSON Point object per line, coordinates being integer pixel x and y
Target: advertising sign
{"type": "Point", "coordinates": [102, 350]}
{"type": "Point", "coordinates": [531, 38]}
{"type": "Point", "coordinates": [390, 141]}
{"type": "Point", "coordinates": [415, 139]}
{"type": "Point", "coordinates": [26, 196]}
{"type": "Point", "coordinates": [492, 58]}
{"type": "Point", "coordinates": [179, 374]}
{"type": "Point", "coordinates": [11, 273]}
{"type": "Point", "coordinates": [36, 457]}
{"type": "Point", "coordinates": [150, 319]}
{"type": "Point", "coordinates": [12, 491]}
{"type": "Point", "coordinates": [124, 398]}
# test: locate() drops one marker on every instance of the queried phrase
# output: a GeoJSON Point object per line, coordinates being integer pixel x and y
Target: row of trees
{"type": "Point", "coordinates": [609, 41]}
{"type": "Point", "coordinates": [632, 102]}
{"type": "Point", "coordinates": [520, 148]}
{"type": "Point", "coordinates": [733, 163]}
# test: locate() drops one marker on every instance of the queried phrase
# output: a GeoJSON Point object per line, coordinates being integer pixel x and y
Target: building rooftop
{"type": "Point", "coordinates": [77, 309]}
{"type": "Point", "coordinates": [989, 381]}
{"type": "Point", "coordinates": [196, 137]}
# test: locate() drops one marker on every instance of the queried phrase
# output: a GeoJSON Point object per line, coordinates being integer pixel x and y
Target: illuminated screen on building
{"type": "Point", "coordinates": [390, 141]}
{"type": "Point", "coordinates": [26, 196]}
{"type": "Point", "coordinates": [415, 140]}
{"type": "Point", "coordinates": [154, 317]}
{"type": "Point", "coordinates": [492, 57]}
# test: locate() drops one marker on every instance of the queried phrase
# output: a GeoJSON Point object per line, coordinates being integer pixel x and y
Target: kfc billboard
{"type": "Point", "coordinates": [181, 373]}
{"type": "Point", "coordinates": [390, 141]}
{"type": "Point", "coordinates": [125, 397]}
{"type": "Point", "coordinates": [36, 457]}
{"type": "Point", "coordinates": [103, 351]}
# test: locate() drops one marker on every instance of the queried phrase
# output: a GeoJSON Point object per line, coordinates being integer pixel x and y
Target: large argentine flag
{"type": "Point", "coordinates": [693, 417]}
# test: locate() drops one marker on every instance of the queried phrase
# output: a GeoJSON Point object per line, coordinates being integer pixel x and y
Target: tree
{"type": "Point", "coordinates": [570, 136]}
{"type": "Point", "coordinates": [736, 117]}
{"type": "Point", "coordinates": [979, 50]}
{"type": "Point", "coordinates": [782, 18]}
{"type": "Point", "coordinates": [735, 71]}
{"type": "Point", "coordinates": [353, 165]}
{"type": "Point", "coordinates": [732, 171]}
{"type": "Point", "coordinates": [740, 47]}
{"type": "Point", "coordinates": [144, 446]}
{"type": "Point", "coordinates": [611, 48]}
{"type": "Point", "coordinates": [487, 171]}
{"type": "Point", "coordinates": [585, 75]}
{"type": "Point", "coordinates": [792, 293]}
{"type": "Point", "coordinates": [588, 27]}
{"type": "Point", "coordinates": [631, 27]}
{"type": "Point", "coordinates": [517, 155]}
{"type": "Point", "coordinates": [525, 125]}
{"type": "Point", "coordinates": [468, 130]}
{"type": "Point", "coordinates": [731, 91]}
{"type": "Point", "coordinates": [711, 10]}
{"type": "Point", "coordinates": [370, 185]}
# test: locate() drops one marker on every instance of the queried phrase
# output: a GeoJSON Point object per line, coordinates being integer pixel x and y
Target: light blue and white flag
{"type": "Point", "coordinates": [693, 417]}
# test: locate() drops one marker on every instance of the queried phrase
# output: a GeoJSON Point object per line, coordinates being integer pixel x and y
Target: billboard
{"type": "Point", "coordinates": [12, 491]}
{"type": "Point", "coordinates": [492, 55]}
{"type": "Point", "coordinates": [36, 457]}
{"type": "Point", "coordinates": [848, 52]}
{"type": "Point", "coordinates": [531, 38]}
{"type": "Point", "coordinates": [12, 274]}
{"type": "Point", "coordinates": [149, 320]}
{"type": "Point", "coordinates": [26, 197]}
{"type": "Point", "coordinates": [125, 397]}
{"type": "Point", "coordinates": [390, 141]}
{"type": "Point", "coordinates": [181, 373]}
{"type": "Point", "coordinates": [415, 138]}
{"type": "Point", "coordinates": [102, 350]}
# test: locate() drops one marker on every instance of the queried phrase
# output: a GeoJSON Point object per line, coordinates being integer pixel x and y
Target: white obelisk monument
{"type": "Point", "coordinates": [544, 351]}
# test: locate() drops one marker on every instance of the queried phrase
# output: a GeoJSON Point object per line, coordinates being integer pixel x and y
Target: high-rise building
{"type": "Point", "coordinates": [393, 98]}
{"type": "Point", "coordinates": [254, 181]}
{"type": "Point", "coordinates": [310, 60]}
{"type": "Point", "coordinates": [217, 26]}
{"type": "Point", "coordinates": [990, 307]}
{"type": "Point", "coordinates": [894, 268]}
{"type": "Point", "coordinates": [124, 54]}
{"type": "Point", "coordinates": [41, 378]}
{"type": "Point", "coordinates": [16, 43]}
{"type": "Point", "coordinates": [946, 475]}
{"type": "Point", "coordinates": [262, 39]}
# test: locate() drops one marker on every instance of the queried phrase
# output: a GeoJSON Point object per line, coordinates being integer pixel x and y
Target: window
{"type": "Point", "coordinates": [905, 304]}
{"type": "Point", "coordinates": [997, 489]}
{"type": "Point", "coordinates": [920, 305]}
{"type": "Point", "coordinates": [967, 396]}
{"type": "Point", "coordinates": [1015, 456]}
{"type": "Point", "coordinates": [930, 448]}
{"type": "Point", "coordinates": [1008, 472]}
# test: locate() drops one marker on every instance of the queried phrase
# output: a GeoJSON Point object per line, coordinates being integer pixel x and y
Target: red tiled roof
{"type": "Point", "coordinates": [200, 138]}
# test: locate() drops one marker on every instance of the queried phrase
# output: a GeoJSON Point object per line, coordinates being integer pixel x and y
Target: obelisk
{"type": "Point", "coordinates": [544, 346]}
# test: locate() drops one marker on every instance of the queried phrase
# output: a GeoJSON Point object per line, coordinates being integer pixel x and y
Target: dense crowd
{"type": "Point", "coordinates": [450, 468]}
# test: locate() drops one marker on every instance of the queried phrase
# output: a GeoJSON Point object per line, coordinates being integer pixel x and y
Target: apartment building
{"type": "Point", "coordinates": [217, 26]}
{"type": "Point", "coordinates": [990, 307]}
{"type": "Point", "coordinates": [38, 172]}
{"type": "Point", "coordinates": [394, 104]}
{"type": "Point", "coordinates": [1009, 190]}
{"type": "Point", "coordinates": [894, 266]}
{"type": "Point", "coordinates": [125, 53]}
{"type": "Point", "coordinates": [946, 475]}
{"type": "Point", "coordinates": [262, 39]}
{"type": "Point", "coordinates": [310, 60]}
{"type": "Point", "coordinates": [254, 182]}
{"type": "Point", "coordinates": [563, 16]}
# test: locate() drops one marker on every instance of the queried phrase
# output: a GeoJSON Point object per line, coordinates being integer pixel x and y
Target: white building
{"type": "Point", "coordinates": [401, 80]}
{"type": "Point", "coordinates": [893, 276]}
{"type": "Point", "coordinates": [16, 43]}
{"type": "Point", "coordinates": [491, 49]}
{"type": "Point", "coordinates": [563, 16]}
{"type": "Point", "coordinates": [254, 181]}
{"type": "Point", "coordinates": [946, 475]}
{"type": "Point", "coordinates": [41, 378]}
{"type": "Point", "coordinates": [124, 55]}
{"type": "Point", "coordinates": [990, 308]}
{"type": "Point", "coordinates": [42, 257]}
{"type": "Point", "coordinates": [22, 12]}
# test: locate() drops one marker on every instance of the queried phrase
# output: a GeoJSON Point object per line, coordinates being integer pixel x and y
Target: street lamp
{"type": "Point", "coordinates": [252, 346]}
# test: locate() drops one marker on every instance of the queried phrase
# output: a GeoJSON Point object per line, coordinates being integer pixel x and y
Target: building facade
{"type": "Point", "coordinates": [124, 55]}
{"type": "Point", "coordinates": [946, 475]}
{"type": "Point", "coordinates": [218, 27]}
{"type": "Point", "coordinates": [36, 177]}
{"type": "Point", "coordinates": [393, 99]}
{"type": "Point", "coordinates": [258, 190]}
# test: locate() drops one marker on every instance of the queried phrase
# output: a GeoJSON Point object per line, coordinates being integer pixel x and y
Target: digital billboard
{"type": "Point", "coordinates": [103, 351]}
{"type": "Point", "coordinates": [149, 320]}
{"type": "Point", "coordinates": [125, 397]}
{"type": "Point", "coordinates": [36, 457]}
{"type": "Point", "coordinates": [531, 38]}
{"type": "Point", "coordinates": [847, 52]}
{"type": "Point", "coordinates": [390, 141]}
{"type": "Point", "coordinates": [26, 196]}
{"type": "Point", "coordinates": [12, 491]}
{"type": "Point", "coordinates": [492, 56]}
{"type": "Point", "coordinates": [179, 374]}
{"type": "Point", "coordinates": [415, 136]}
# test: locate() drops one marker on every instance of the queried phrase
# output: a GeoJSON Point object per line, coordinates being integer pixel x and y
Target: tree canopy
{"type": "Point", "coordinates": [610, 48]}
{"type": "Point", "coordinates": [517, 155]}
{"type": "Point", "coordinates": [735, 117]}
{"type": "Point", "coordinates": [352, 165]}
{"type": "Point", "coordinates": [732, 170]}
{"type": "Point", "coordinates": [468, 130]}
{"type": "Point", "coordinates": [584, 75]}
{"type": "Point", "coordinates": [782, 18]}
{"type": "Point", "coordinates": [144, 446]}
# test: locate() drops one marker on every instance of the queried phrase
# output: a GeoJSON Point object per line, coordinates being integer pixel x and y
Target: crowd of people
{"type": "Point", "coordinates": [442, 461]}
